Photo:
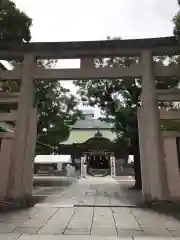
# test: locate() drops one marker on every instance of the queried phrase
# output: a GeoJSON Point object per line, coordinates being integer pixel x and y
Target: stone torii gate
{"type": "Point", "coordinates": [17, 154]}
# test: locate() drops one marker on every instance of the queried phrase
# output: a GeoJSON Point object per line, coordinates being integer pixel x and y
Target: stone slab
{"type": "Point", "coordinates": [28, 230]}
{"type": "Point", "coordinates": [33, 223]}
{"type": "Point", "coordinates": [175, 233]}
{"type": "Point", "coordinates": [124, 219]}
{"type": "Point", "coordinates": [51, 229]}
{"type": "Point", "coordinates": [104, 231]}
{"type": "Point", "coordinates": [77, 231]}
{"type": "Point", "coordinates": [66, 237]}
{"type": "Point", "coordinates": [81, 219]}
{"type": "Point", "coordinates": [7, 227]}
{"type": "Point", "coordinates": [62, 215]}
{"type": "Point", "coordinates": [9, 236]}
{"type": "Point", "coordinates": [130, 232]}
{"type": "Point", "coordinates": [156, 231]}
{"type": "Point", "coordinates": [172, 225]}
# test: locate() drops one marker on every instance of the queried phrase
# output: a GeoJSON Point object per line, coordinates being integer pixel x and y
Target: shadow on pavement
{"type": "Point", "coordinates": [128, 195]}
{"type": "Point", "coordinates": [164, 207]}
{"type": "Point", "coordinates": [43, 187]}
{"type": "Point", "coordinates": [134, 199]}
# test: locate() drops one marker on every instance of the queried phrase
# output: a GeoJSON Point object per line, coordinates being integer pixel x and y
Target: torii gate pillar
{"type": "Point", "coordinates": [19, 172]}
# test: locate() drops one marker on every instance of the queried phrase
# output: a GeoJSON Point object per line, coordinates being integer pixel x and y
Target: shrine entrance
{"type": "Point", "coordinates": [18, 147]}
{"type": "Point", "coordinates": [98, 164]}
{"type": "Point", "coordinates": [99, 151]}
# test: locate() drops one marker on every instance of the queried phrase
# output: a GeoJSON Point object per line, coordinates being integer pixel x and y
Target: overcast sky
{"type": "Point", "coordinates": [81, 20]}
{"type": "Point", "coordinates": [71, 20]}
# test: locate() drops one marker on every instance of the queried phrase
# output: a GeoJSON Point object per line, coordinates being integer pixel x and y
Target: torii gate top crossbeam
{"type": "Point", "coordinates": [132, 47]}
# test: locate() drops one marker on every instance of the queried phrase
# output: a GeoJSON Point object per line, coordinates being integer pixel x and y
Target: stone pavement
{"type": "Point", "coordinates": [93, 208]}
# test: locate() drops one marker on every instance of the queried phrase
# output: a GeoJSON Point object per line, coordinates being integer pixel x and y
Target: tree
{"type": "Point", "coordinates": [57, 108]}
{"type": "Point", "coordinates": [14, 24]}
{"type": "Point", "coordinates": [119, 100]}
{"type": "Point", "coordinates": [176, 21]}
{"type": "Point", "coordinates": [177, 26]}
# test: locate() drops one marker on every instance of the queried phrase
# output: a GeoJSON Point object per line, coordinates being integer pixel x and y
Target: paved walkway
{"type": "Point", "coordinates": [93, 208]}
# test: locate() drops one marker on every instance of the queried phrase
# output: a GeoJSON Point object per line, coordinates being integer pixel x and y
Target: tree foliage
{"type": "Point", "coordinates": [176, 21]}
{"type": "Point", "coordinates": [14, 24]}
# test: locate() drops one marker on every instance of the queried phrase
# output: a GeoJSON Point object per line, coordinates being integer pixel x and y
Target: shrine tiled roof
{"type": "Point", "coordinates": [81, 136]}
{"type": "Point", "coordinates": [88, 127]}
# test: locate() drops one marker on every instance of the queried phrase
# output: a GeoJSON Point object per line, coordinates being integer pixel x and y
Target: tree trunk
{"type": "Point", "coordinates": [137, 169]}
{"type": "Point", "coordinates": [137, 163]}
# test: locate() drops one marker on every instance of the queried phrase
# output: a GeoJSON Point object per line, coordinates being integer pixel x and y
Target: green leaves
{"type": "Point", "coordinates": [14, 24]}
{"type": "Point", "coordinates": [176, 21]}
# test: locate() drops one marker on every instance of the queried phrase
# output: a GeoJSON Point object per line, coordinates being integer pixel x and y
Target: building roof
{"type": "Point", "coordinates": [81, 136]}
{"type": "Point", "coordinates": [88, 127]}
